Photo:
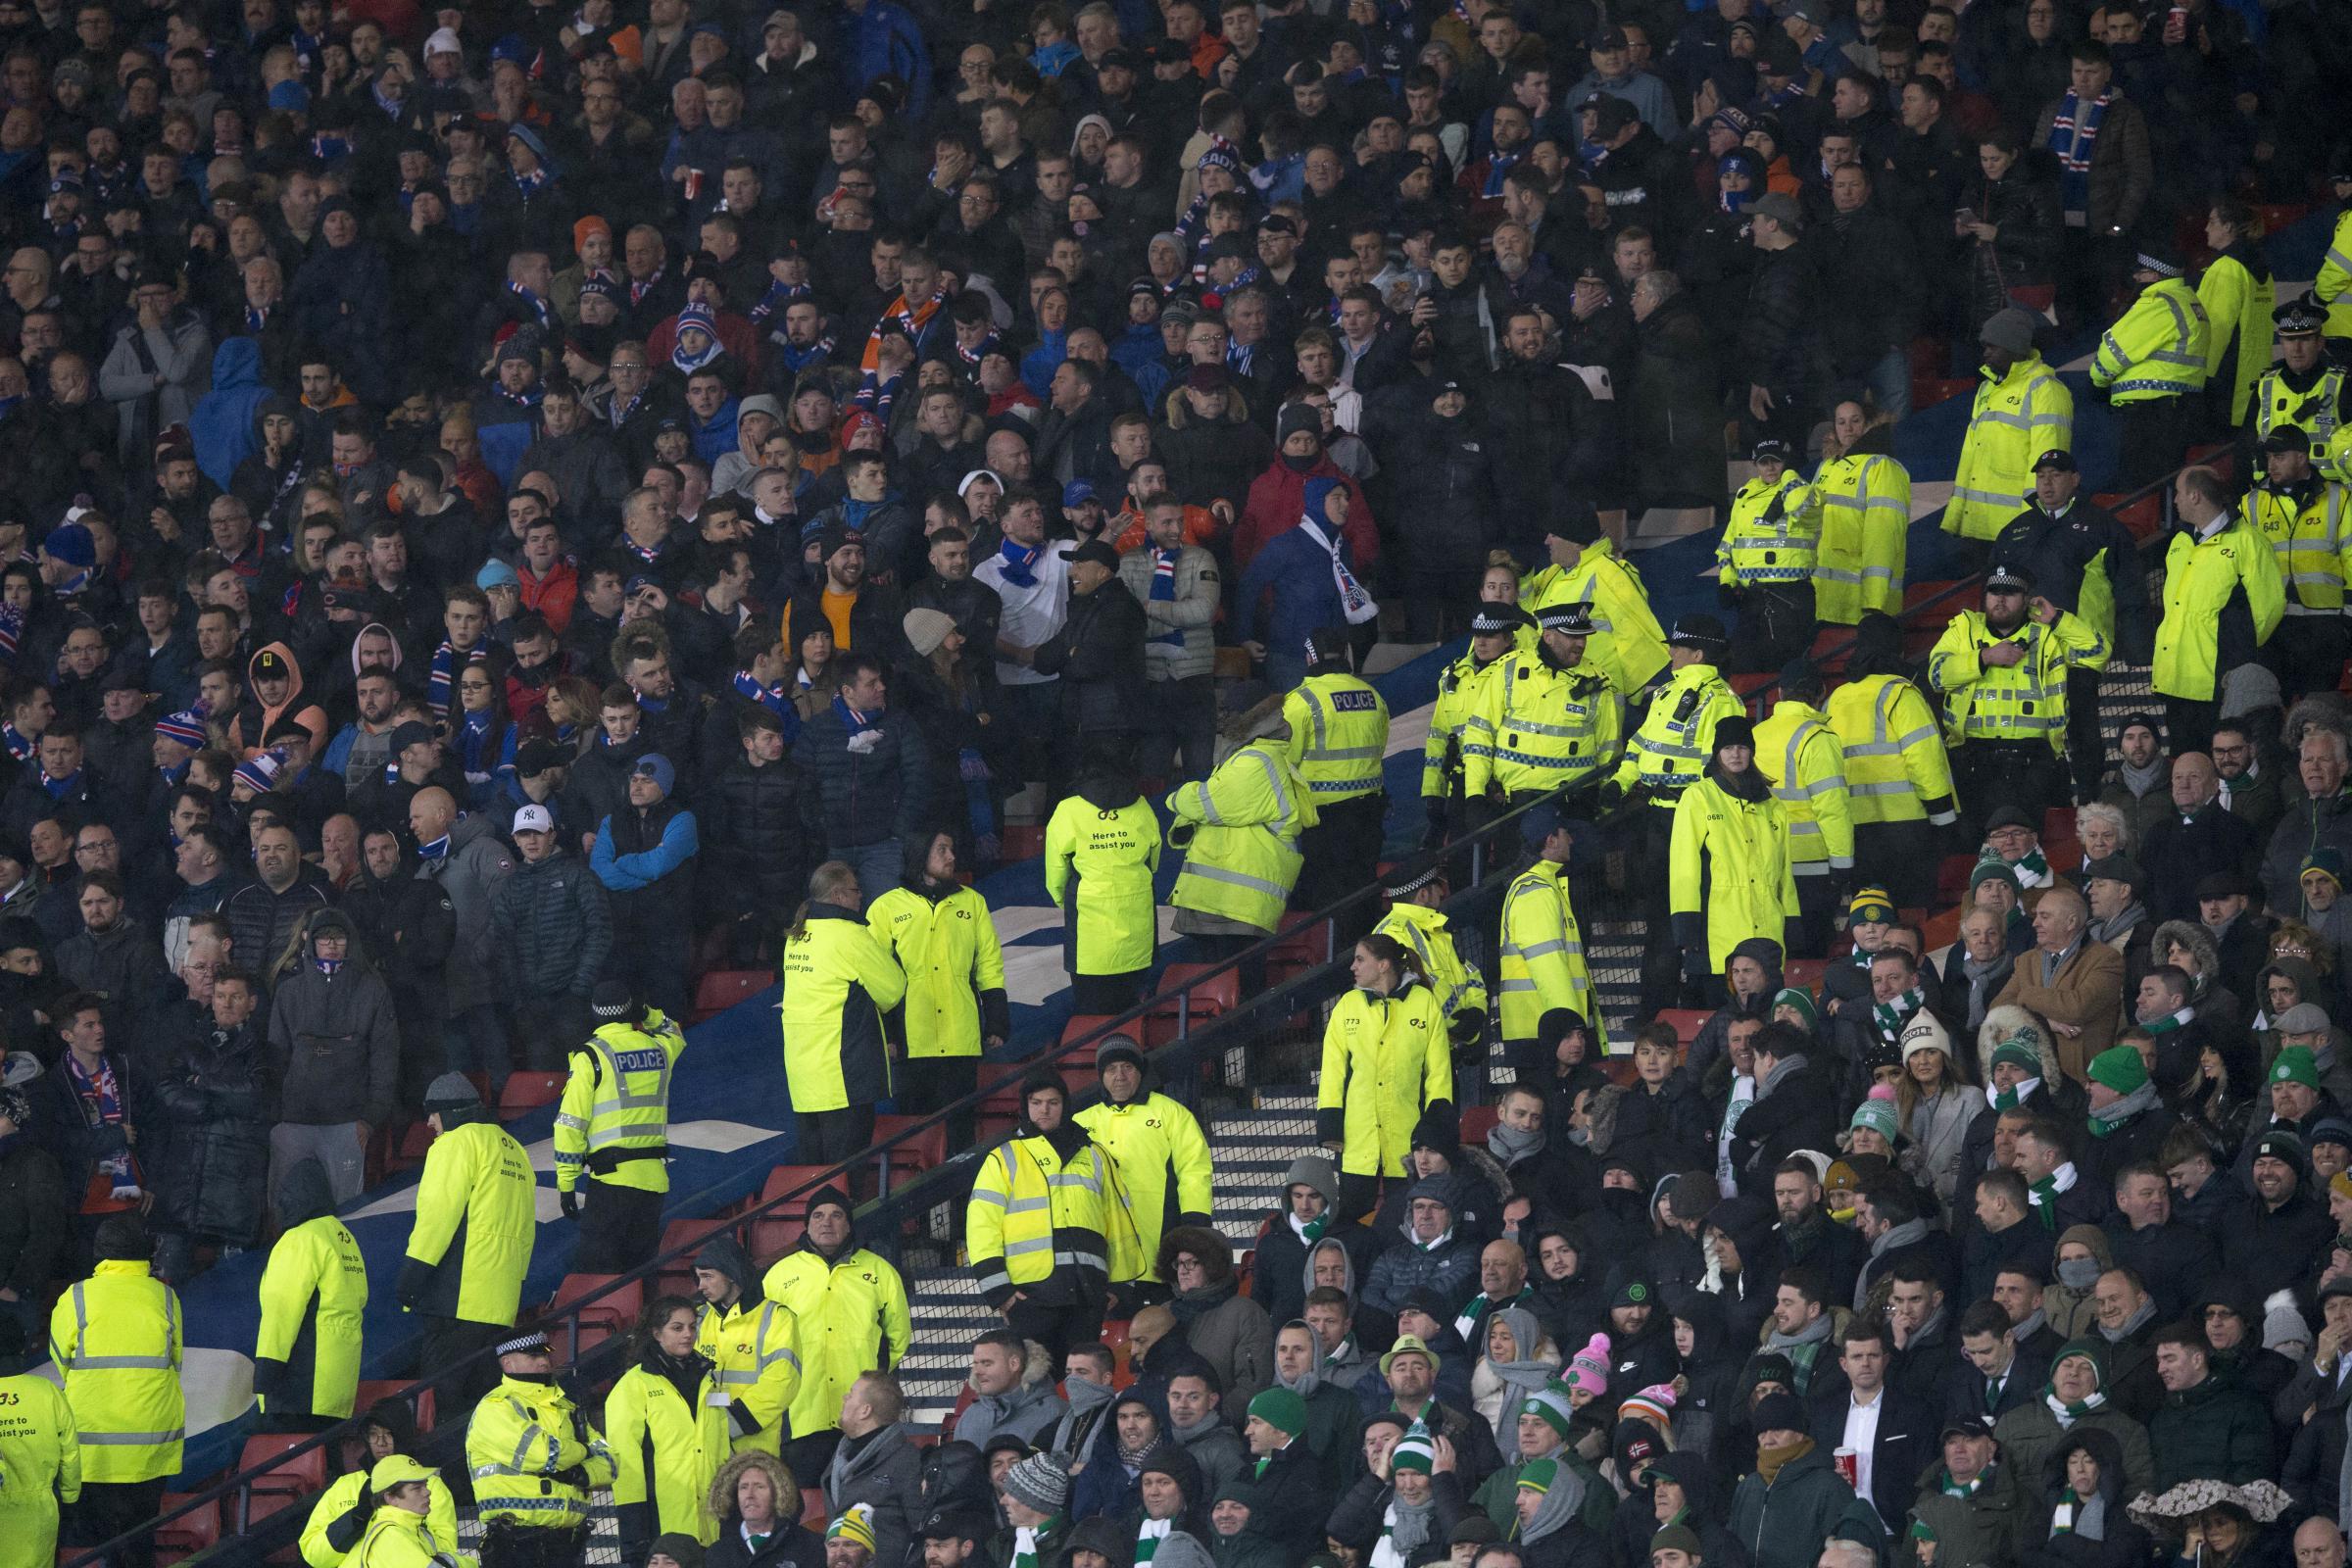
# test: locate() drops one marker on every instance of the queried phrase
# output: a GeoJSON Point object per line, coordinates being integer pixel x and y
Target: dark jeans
{"type": "Point", "coordinates": [449, 1340]}
{"type": "Point", "coordinates": [547, 1029]}
{"type": "Point", "coordinates": [921, 1085]}
{"type": "Point", "coordinates": [1057, 1328]}
{"type": "Point", "coordinates": [1776, 624]}
{"type": "Point", "coordinates": [619, 1228]}
{"type": "Point", "coordinates": [1182, 719]}
{"type": "Point", "coordinates": [110, 1508]}
{"type": "Point", "coordinates": [1899, 856]}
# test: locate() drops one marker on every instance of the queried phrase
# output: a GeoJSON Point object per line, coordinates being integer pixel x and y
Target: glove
{"type": "Point", "coordinates": [1467, 1026]}
{"type": "Point", "coordinates": [415, 1278]}
{"type": "Point", "coordinates": [1181, 834]}
{"type": "Point", "coordinates": [1612, 794]}
{"type": "Point", "coordinates": [568, 1199]}
{"type": "Point", "coordinates": [1434, 836]}
{"type": "Point", "coordinates": [1728, 594]}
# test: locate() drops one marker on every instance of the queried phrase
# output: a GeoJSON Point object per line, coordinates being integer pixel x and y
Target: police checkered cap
{"type": "Point", "coordinates": [1487, 620]}
{"type": "Point", "coordinates": [531, 1341]}
{"type": "Point", "coordinates": [2298, 319]}
{"type": "Point", "coordinates": [1569, 619]}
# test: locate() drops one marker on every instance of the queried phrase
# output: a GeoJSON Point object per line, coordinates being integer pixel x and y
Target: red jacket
{"type": "Point", "coordinates": [553, 594]}
{"type": "Point", "coordinates": [1278, 500]}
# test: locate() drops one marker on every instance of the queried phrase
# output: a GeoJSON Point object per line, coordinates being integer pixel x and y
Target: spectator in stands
{"type": "Point", "coordinates": [551, 925]}
{"type": "Point", "coordinates": [645, 855]}
{"type": "Point", "coordinates": [870, 769]}
{"type": "Point", "coordinates": [1011, 1390]}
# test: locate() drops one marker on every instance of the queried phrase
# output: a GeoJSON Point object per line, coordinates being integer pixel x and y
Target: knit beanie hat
{"type": "Point", "coordinates": [926, 629]}
{"type": "Point", "coordinates": [184, 727]}
{"type": "Point", "coordinates": [2090, 1350]}
{"type": "Point", "coordinates": [1877, 1112]}
{"type": "Point", "coordinates": [1281, 1410]}
{"type": "Point", "coordinates": [1873, 906]}
{"type": "Point", "coordinates": [2295, 1064]}
{"type": "Point", "coordinates": [2019, 1051]}
{"type": "Point", "coordinates": [2282, 1323]}
{"type": "Point", "coordinates": [1589, 1368]}
{"type": "Point", "coordinates": [1413, 1452]}
{"type": "Point", "coordinates": [451, 1091]}
{"type": "Point", "coordinates": [1779, 1412]}
{"type": "Point", "coordinates": [856, 1523]}
{"type": "Point", "coordinates": [1992, 871]}
{"type": "Point", "coordinates": [1925, 1033]}
{"type": "Point", "coordinates": [1539, 1475]}
{"type": "Point", "coordinates": [1549, 1405]}
{"type": "Point", "coordinates": [259, 773]}
{"type": "Point", "coordinates": [1654, 1404]}
{"type": "Point", "coordinates": [2120, 1068]}
{"type": "Point", "coordinates": [1801, 1000]}
{"type": "Point", "coordinates": [1041, 1482]}
{"type": "Point", "coordinates": [1675, 1538]}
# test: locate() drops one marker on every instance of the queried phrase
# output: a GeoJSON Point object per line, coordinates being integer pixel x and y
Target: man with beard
{"type": "Point", "coordinates": [1997, 675]}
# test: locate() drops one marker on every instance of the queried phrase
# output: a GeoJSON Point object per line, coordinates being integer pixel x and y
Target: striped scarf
{"type": "Point", "coordinates": [441, 686]}
{"type": "Point", "coordinates": [2073, 135]}
{"type": "Point", "coordinates": [1149, 1538]}
{"type": "Point", "coordinates": [1164, 589]}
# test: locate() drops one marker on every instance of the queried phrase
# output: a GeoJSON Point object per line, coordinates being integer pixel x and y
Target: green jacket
{"type": "Point", "coordinates": [1497, 1498]}
{"type": "Point", "coordinates": [2216, 1431]}
{"type": "Point", "coordinates": [1989, 1529]}
{"type": "Point", "coordinates": [2030, 1434]}
{"type": "Point", "coordinates": [1782, 1525]}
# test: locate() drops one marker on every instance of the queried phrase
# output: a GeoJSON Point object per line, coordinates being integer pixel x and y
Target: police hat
{"type": "Point", "coordinates": [2008, 578]}
{"type": "Point", "coordinates": [2298, 319]}
{"type": "Point", "coordinates": [1569, 619]}
{"type": "Point", "coordinates": [1771, 447]}
{"type": "Point", "coordinates": [1703, 632]}
{"type": "Point", "coordinates": [1489, 620]}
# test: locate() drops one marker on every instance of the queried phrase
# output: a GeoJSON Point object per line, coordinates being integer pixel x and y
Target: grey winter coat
{"type": "Point", "coordinates": [1192, 613]}
{"type": "Point", "coordinates": [477, 861]}
{"type": "Point", "coordinates": [552, 928]}
{"type": "Point", "coordinates": [335, 1046]}
{"type": "Point", "coordinates": [1028, 1412]}
{"type": "Point", "coordinates": [887, 1476]}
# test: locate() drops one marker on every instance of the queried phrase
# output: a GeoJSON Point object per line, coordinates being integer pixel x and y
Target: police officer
{"type": "Point", "coordinates": [470, 1244]}
{"type": "Point", "coordinates": [1461, 687]}
{"type": "Point", "coordinates": [1547, 722]}
{"type": "Point", "coordinates": [400, 1495]}
{"type": "Point", "coordinates": [1864, 499]}
{"type": "Point", "coordinates": [2021, 411]}
{"type": "Point", "coordinates": [1049, 1228]}
{"type": "Point", "coordinates": [1765, 562]}
{"type": "Point", "coordinates": [2081, 558]}
{"type": "Point", "coordinates": [534, 1458]}
{"type": "Point", "coordinates": [1897, 773]}
{"type": "Point", "coordinates": [1585, 569]}
{"type": "Point", "coordinates": [939, 933]}
{"type": "Point", "coordinates": [612, 1142]}
{"type": "Point", "coordinates": [753, 1342]}
{"type": "Point", "coordinates": [848, 1308]}
{"type": "Point", "coordinates": [1415, 890]}
{"type": "Point", "coordinates": [1239, 829]}
{"type": "Point", "coordinates": [2002, 672]}
{"type": "Point", "coordinates": [116, 1337]}
{"type": "Point", "coordinates": [1339, 735]}
{"type": "Point", "coordinates": [41, 1456]}
{"type": "Point", "coordinates": [1386, 1063]}
{"type": "Point", "coordinates": [306, 1354]}
{"type": "Point", "coordinates": [2302, 516]}
{"type": "Point", "coordinates": [1666, 757]}
{"type": "Point", "coordinates": [1799, 757]}
{"type": "Point", "coordinates": [1160, 1151]}
{"type": "Point", "coordinates": [2304, 388]}
{"type": "Point", "coordinates": [839, 980]}
{"type": "Point", "coordinates": [1541, 957]}
{"type": "Point", "coordinates": [2223, 599]}
{"type": "Point", "coordinates": [2151, 364]}
{"type": "Point", "coordinates": [1102, 851]}
{"type": "Point", "coordinates": [1730, 874]}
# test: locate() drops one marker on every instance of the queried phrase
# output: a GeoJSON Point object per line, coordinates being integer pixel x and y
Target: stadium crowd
{"type": "Point", "coordinates": [505, 509]}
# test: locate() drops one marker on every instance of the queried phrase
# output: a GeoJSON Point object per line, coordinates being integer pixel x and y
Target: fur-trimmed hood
{"type": "Point", "coordinates": [788, 1491]}
{"type": "Point", "coordinates": [2199, 942]}
{"type": "Point", "coordinates": [2008, 1020]}
{"type": "Point", "coordinates": [1037, 1366]}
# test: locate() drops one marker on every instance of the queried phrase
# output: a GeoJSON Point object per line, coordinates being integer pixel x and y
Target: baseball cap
{"type": "Point", "coordinates": [534, 819]}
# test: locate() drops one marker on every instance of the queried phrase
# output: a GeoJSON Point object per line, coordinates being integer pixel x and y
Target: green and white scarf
{"type": "Point", "coordinates": [1892, 1015]}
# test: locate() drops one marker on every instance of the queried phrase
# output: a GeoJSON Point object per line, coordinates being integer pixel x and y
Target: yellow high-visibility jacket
{"type": "Point", "coordinates": [2305, 526]}
{"type": "Point", "coordinates": [1339, 735]}
{"type": "Point", "coordinates": [397, 1539]}
{"type": "Point", "coordinates": [340, 1519]}
{"type": "Point", "coordinates": [1627, 643]}
{"type": "Point", "coordinates": [614, 1123]}
{"type": "Point", "coordinates": [665, 1453]}
{"type": "Point", "coordinates": [313, 1290]}
{"type": "Point", "coordinates": [1865, 504]}
{"type": "Point", "coordinates": [2312, 402]}
{"type": "Point", "coordinates": [2201, 576]}
{"type": "Point", "coordinates": [1163, 1164]}
{"type": "Point", "coordinates": [1244, 859]}
{"type": "Point", "coordinates": [852, 1319]}
{"type": "Point", "coordinates": [1669, 750]}
{"type": "Point", "coordinates": [839, 979]}
{"type": "Point", "coordinates": [946, 947]}
{"type": "Point", "coordinates": [2239, 347]}
{"type": "Point", "coordinates": [520, 1444]}
{"type": "Point", "coordinates": [1772, 534]}
{"type": "Point", "coordinates": [2021, 702]}
{"type": "Point", "coordinates": [755, 1345]}
{"type": "Point", "coordinates": [1729, 859]}
{"type": "Point", "coordinates": [40, 1458]}
{"type": "Point", "coordinates": [1459, 987]}
{"type": "Point", "coordinates": [1896, 769]}
{"type": "Point", "coordinates": [1541, 956]}
{"type": "Point", "coordinates": [478, 1177]}
{"type": "Point", "coordinates": [1540, 728]}
{"type": "Point", "coordinates": [1050, 1217]}
{"type": "Point", "coordinates": [1798, 752]}
{"type": "Point", "coordinates": [116, 1336]}
{"type": "Point", "coordinates": [2157, 348]}
{"type": "Point", "coordinates": [1386, 1060]}
{"type": "Point", "coordinates": [2333, 286]}
{"type": "Point", "coordinates": [1446, 755]}
{"type": "Point", "coordinates": [2016, 417]}
{"type": "Point", "coordinates": [1100, 862]}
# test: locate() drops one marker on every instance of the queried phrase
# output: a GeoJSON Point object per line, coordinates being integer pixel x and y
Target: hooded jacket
{"type": "Point", "coordinates": [335, 1046]}
{"type": "Point", "coordinates": [224, 419]}
{"type": "Point", "coordinates": [220, 1099]}
{"type": "Point", "coordinates": [1027, 1410]}
{"type": "Point", "coordinates": [2113, 1541]}
{"type": "Point", "coordinates": [254, 721]}
{"type": "Point", "coordinates": [1445, 1265]}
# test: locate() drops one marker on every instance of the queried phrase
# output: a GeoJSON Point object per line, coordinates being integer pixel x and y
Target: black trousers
{"type": "Point", "coordinates": [1057, 1328]}
{"type": "Point", "coordinates": [545, 1030]}
{"type": "Point", "coordinates": [2189, 725]}
{"type": "Point", "coordinates": [1341, 851]}
{"type": "Point", "coordinates": [2306, 653]}
{"type": "Point", "coordinates": [1899, 856]}
{"type": "Point", "coordinates": [925, 1084]}
{"type": "Point", "coordinates": [812, 1455]}
{"type": "Point", "coordinates": [1101, 995]}
{"type": "Point", "coordinates": [2086, 745]}
{"type": "Point", "coordinates": [1358, 1196]}
{"type": "Point", "coordinates": [619, 1228]}
{"type": "Point", "coordinates": [652, 953]}
{"type": "Point", "coordinates": [2152, 435]}
{"type": "Point", "coordinates": [1182, 721]}
{"type": "Point", "coordinates": [2025, 774]}
{"type": "Point", "coordinates": [110, 1508]}
{"type": "Point", "coordinates": [1661, 959]}
{"type": "Point", "coordinates": [829, 1137]}
{"type": "Point", "coordinates": [449, 1340]}
{"type": "Point", "coordinates": [510, 1545]}
{"type": "Point", "coordinates": [1816, 909]}
{"type": "Point", "coordinates": [1776, 624]}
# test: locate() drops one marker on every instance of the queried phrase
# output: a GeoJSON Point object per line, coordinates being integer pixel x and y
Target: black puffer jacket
{"type": "Point", "coordinates": [1782, 344]}
{"type": "Point", "coordinates": [220, 1100]}
{"type": "Point", "coordinates": [755, 822]}
{"type": "Point", "coordinates": [870, 794]}
{"type": "Point", "coordinates": [2023, 207]}
{"type": "Point", "coordinates": [1557, 436]}
{"type": "Point", "coordinates": [1098, 654]}
{"type": "Point", "coordinates": [552, 928]}
{"type": "Point", "coordinates": [33, 1213]}
{"type": "Point", "coordinates": [1674, 417]}
{"type": "Point", "coordinates": [1441, 475]}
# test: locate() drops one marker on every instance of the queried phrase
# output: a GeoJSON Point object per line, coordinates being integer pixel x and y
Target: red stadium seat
{"type": "Point", "coordinates": [528, 1091]}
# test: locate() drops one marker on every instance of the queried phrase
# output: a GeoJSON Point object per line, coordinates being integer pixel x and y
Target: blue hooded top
{"type": "Point", "coordinates": [222, 421]}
